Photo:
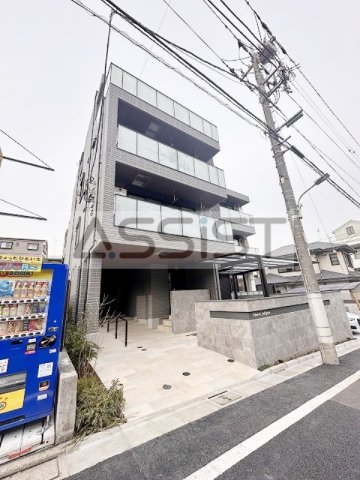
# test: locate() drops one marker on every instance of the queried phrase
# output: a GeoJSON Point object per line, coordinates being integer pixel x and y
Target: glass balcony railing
{"type": "Point", "coordinates": [146, 147]}
{"type": "Point", "coordinates": [236, 216]}
{"type": "Point", "coordinates": [142, 215]}
{"type": "Point", "coordinates": [140, 89]}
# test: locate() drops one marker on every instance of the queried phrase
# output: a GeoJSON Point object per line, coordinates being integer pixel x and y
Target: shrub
{"type": "Point", "coordinates": [80, 350]}
{"type": "Point", "coordinates": [98, 407]}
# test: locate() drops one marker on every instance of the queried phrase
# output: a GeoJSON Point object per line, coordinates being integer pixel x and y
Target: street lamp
{"type": "Point", "coordinates": [317, 182]}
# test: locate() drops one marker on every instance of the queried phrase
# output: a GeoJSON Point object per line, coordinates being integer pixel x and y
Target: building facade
{"type": "Point", "coordinates": [332, 263]}
{"type": "Point", "coordinates": [15, 246]}
{"type": "Point", "coordinates": [149, 205]}
{"type": "Point", "coordinates": [349, 233]}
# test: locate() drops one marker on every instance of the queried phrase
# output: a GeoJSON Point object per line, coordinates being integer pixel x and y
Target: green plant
{"type": "Point", "coordinates": [80, 350]}
{"type": "Point", "coordinates": [98, 407]}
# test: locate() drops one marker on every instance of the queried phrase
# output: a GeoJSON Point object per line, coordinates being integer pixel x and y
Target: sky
{"type": "Point", "coordinates": [52, 56]}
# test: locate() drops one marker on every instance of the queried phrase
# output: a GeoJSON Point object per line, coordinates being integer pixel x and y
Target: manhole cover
{"type": "Point", "coordinates": [186, 374]}
{"type": "Point", "coordinates": [224, 398]}
{"type": "Point", "coordinates": [166, 387]}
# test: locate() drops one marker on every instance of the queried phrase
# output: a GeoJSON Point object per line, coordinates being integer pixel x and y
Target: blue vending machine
{"type": "Point", "coordinates": [32, 308]}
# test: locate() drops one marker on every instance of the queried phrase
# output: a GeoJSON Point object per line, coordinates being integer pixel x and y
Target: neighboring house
{"type": "Point", "coordinates": [332, 264]}
{"type": "Point", "coordinates": [349, 233]}
{"type": "Point", "coordinates": [14, 246]}
{"type": "Point", "coordinates": [152, 209]}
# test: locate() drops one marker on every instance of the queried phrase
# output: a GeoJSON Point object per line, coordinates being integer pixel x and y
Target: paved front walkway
{"type": "Point", "coordinates": [154, 358]}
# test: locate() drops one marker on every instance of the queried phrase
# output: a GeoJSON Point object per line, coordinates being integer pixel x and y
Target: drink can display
{"type": "Point", "coordinates": [35, 308]}
{"type": "Point", "coordinates": [39, 324]}
{"type": "Point", "coordinates": [21, 309]}
{"type": "Point", "coordinates": [10, 328]}
{"type": "Point", "coordinates": [25, 325]}
{"type": "Point", "coordinates": [17, 289]}
{"type": "Point", "coordinates": [6, 310]}
{"type": "Point", "coordinates": [24, 289]}
{"type": "Point", "coordinates": [42, 307]}
{"type": "Point", "coordinates": [32, 326]}
{"type": "Point", "coordinates": [45, 289]}
{"type": "Point", "coordinates": [31, 290]}
{"type": "Point", "coordinates": [18, 326]}
{"type": "Point", "coordinates": [27, 308]}
{"type": "Point", "coordinates": [1, 308]}
{"type": "Point", "coordinates": [38, 288]}
{"type": "Point", "coordinates": [13, 310]}
{"type": "Point", "coordinates": [3, 328]}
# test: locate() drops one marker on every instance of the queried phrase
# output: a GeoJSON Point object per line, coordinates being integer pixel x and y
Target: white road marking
{"type": "Point", "coordinates": [233, 456]}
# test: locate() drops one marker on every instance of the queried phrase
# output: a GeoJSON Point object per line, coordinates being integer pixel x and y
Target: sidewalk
{"type": "Point", "coordinates": [70, 459]}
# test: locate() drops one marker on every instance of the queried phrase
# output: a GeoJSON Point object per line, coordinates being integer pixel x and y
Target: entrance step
{"type": "Point", "coordinates": [166, 325]}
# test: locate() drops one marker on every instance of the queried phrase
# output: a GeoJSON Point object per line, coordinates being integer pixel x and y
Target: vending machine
{"type": "Point", "coordinates": [32, 305]}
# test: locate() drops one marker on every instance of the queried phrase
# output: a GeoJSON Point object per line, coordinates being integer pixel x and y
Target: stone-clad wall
{"type": "Point", "coordinates": [183, 309]}
{"type": "Point", "coordinates": [262, 331]}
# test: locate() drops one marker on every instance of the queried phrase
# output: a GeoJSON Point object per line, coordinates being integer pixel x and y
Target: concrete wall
{"type": "Point", "coordinates": [65, 411]}
{"type": "Point", "coordinates": [183, 309]}
{"type": "Point", "coordinates": [265, 330]}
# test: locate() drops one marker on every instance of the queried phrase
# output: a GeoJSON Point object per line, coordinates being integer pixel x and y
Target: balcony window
{"type": "Point", "coordinates": [208, 228]}
{"type": "Point", "coordinates": [207, 128]}
{"type": "Point", "coordinates": [129, 83]}
{"type": "Point", "coordinates": [191, 224]}
{"type": "Point", "coordinates": [149, 216]}
{"type": "Point", "coordinates": [127, 139]}
{"type": "Point", "coordinates": [221, 178]}
{"type": "Point", "coordinates": [165, 104]}
{"type": "Point", "coordinates": [196, 122]}
{"type": "Point", "coordinates": [168, 156]}
{"type": "Point", "coordinates": [171, 221]}
{"type": "Point", "coordinates": [186, 164]}
{"type": "Point", "coordinates": [182, 113]}
{"type": "Point", "coordinates": [33, 246]}
{"type": "Point", "coordinates": [146, 93]}
{"type": "Point", "coordinates": [202, 170]}
{"type": "Point", "coordinates": [125, 212]}
{"type": "Point", "coordinates": [213, 175]}
{"type": "Point", "coordinates": [117, 77]}
{"type": "Point", "coordinates": [148, 148]}
{"type": "Point", "coordinates": [6, 245]}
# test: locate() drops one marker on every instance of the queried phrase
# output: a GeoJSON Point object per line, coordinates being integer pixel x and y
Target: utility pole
{"type": "Point", "coordinates": [316, 304]}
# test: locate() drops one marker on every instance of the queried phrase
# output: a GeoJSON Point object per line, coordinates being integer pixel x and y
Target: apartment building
{"type": "Point", "coordinates": [149, 205]}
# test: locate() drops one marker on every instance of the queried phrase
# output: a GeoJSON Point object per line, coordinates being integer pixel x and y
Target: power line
{"type": "Point", "coordinates": [304, 76]}
{"type": "Point", "coordinates": [26, 149]}
{"type": "Point", "coordinates": [154, 37]}
{"type": "Point", "coordinates": [34, 216]}
{"type": "Point", "coordinates": [11, 159]}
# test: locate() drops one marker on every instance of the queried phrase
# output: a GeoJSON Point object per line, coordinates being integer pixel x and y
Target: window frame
{"type": "Point", "coordinates": [352, 230]}
{"type": "Point", "coordinates": [6, 243]}
{"type": "Point", "coordinates": [332, 261]}
{"type": "Point", "coordinates": [29, 247]}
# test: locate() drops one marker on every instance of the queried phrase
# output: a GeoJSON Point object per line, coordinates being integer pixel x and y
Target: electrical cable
{"type": "Point", "coordinates": [152, 35]}
{"type": "Point", "coordinates": [35, 215]}
{"type": "Point", "coordinates": [296, 64]}
{"type": "Point", "coordinates": [26, 149]}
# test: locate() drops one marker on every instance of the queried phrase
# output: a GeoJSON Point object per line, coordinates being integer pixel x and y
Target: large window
{"type": "Point", "coordinates": [202, 170]}
{"type": "Point", "coordinates": [348, 260]}
{"type": "Point", "coordinates": [168, 156]}
{"type": "Point", "coordinates": [127, 139]}
{"type": "Point", "coordinates": [149, 216]}
{"type": "Point", "coordinates": [350, 231]}
{"type": "Point", "coordinates": [334, 259]}
{"type": "Point", "coordinates": [125, 212]}
{"type": "Point", "coordinates": [171, 220]}
{"type": "Point", "coordinates": [148, 148]}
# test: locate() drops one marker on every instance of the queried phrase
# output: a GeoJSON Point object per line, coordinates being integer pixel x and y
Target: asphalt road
{"type": "Point", "coordinates": [323, 445]}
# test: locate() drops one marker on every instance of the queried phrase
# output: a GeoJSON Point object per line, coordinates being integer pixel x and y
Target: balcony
{"type": "Point", "coordinates": [137, 214]}
{"type": "Point", "coordinates": [157, 99]}
{"type": "Point", "coordinates": [240, 221]}
{"type": "Point", "coordinates": [145, 147]}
